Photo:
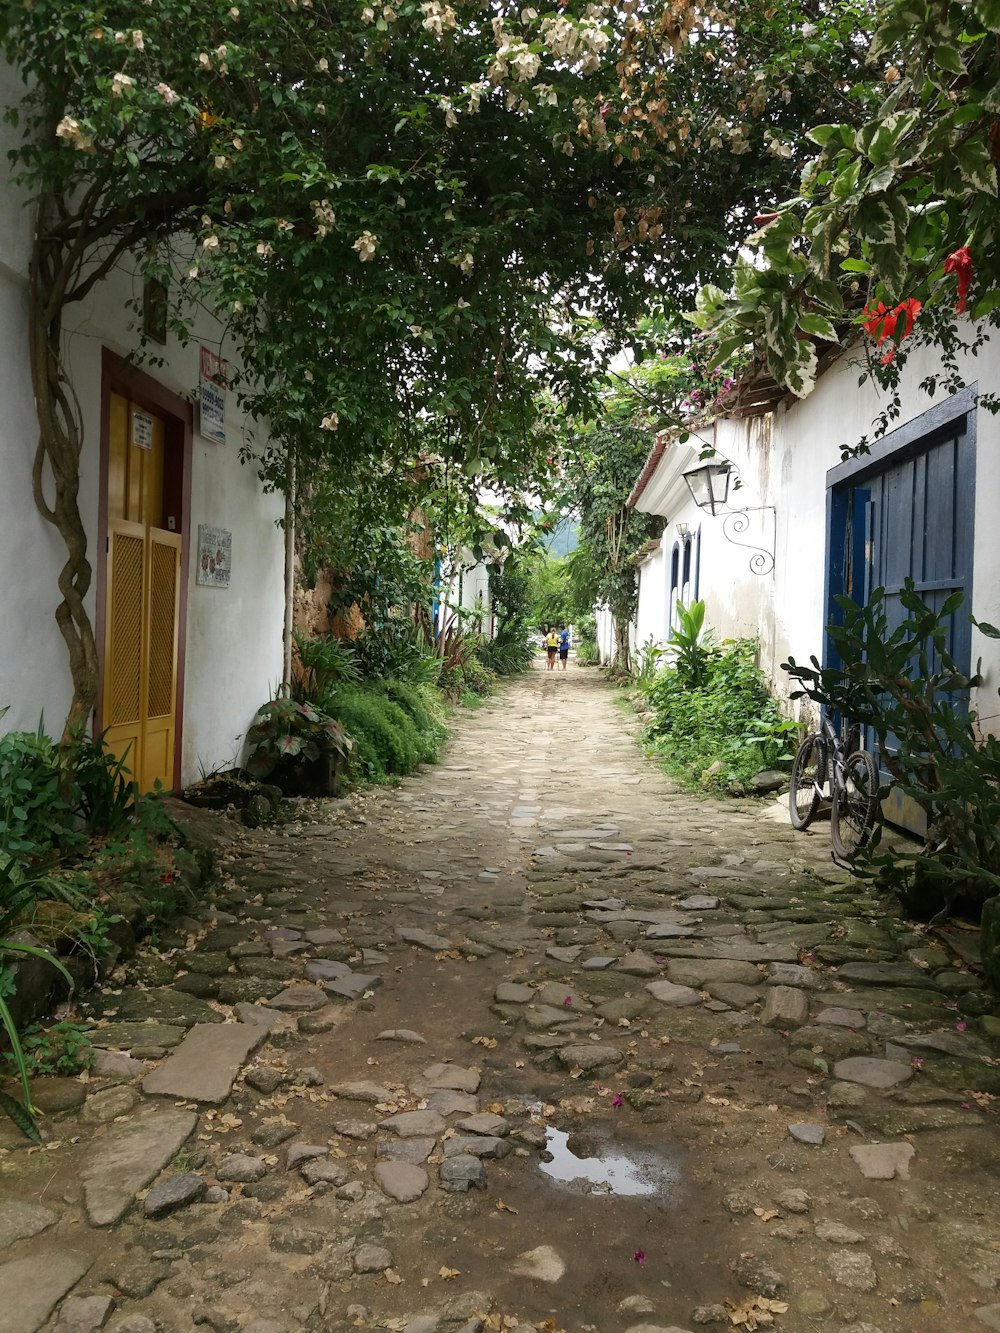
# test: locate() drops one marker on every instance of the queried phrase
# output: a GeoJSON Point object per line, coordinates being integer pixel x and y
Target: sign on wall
{"type": "Point", "coordinates": [215, 553]}
{"type": "Point", "coordinates": [212, 396]}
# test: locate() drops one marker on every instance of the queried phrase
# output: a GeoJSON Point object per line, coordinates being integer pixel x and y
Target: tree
{"type": "Point", "coordinates": [404, 211]}
{"type": "Point", "coordinates": [894, 231]}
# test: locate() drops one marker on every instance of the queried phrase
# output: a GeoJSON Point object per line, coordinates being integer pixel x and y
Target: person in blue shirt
{"type": "Point", "coordinates": [563, 646]}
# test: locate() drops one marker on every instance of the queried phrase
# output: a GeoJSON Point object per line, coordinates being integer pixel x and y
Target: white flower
{"type": "Point", "coordinates": [368, 14]}
{"type": "Point", "coordinates": [323, 215]}
{"type": "Point", "coordinates": [119, 82]}
{"type": "Point", "coordinates": [221, 162]}
{"type": "Point", "coordinates": [265, 248]}
{"type": "Point", "coordinates": [205, 60]}
{"type": "Point", "coordinates": [283, 224]}
{"type": "Point", "coordinates": [449, 215]}
{"type": "Point", "coordinates": [330, 422]}
{"type": "Point", "coordinates": [237, 307]}
{"type": "Point", "coordinates": [322, 64]}
{"type": "Point", "coordinates": [463, 303]}
{"type": "Point", "coordinates": [68, 128]}
{"type": "Point", "coordinates": [234, 13]}
{"type": "Point", "coordinates": [308, 376]}
{"type": "Point", "coordinates": [365, 245]}
{"type": "Point", "coordinates": [416, 330]}
{"type": "Point", "coordinates": [167, 93]}
{"type": "Point", "coordinates": [120, 39]}
{"type": "Point", "coordinates": [210, 243]}
{"type": "Point", "coordinates": [529, 15]}
{"type": "Point", "coordinates": [137, 40]}
{"type": "Point", "coordinates": [193, 271]}
{"type": "Point", "coordinates": [464, 262]}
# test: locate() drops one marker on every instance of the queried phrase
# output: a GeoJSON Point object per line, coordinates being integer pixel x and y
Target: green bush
{"type": "Point", "coordinates": [730, 717]}
{"type": "Point", "coordinates": [392, 726]}
{"type": "Point", "coordinates": [506, 655]}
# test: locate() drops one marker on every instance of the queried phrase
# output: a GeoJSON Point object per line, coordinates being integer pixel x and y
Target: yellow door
{"type": "Point", "coordinates": [143, 599]}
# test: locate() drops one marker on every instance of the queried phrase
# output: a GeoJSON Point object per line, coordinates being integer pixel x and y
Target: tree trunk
{"type": "Point", "coordinates": [622, 660]}
{"type": "Point", "coordinates": [57, 460]}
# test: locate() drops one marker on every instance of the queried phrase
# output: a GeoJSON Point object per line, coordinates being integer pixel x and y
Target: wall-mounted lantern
{"type": "Point", "coordinates": [709, 485]}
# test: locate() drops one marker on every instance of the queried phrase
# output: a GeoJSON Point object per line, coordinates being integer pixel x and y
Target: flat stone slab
{"type": "Point", "coordinates": [176, 1192]}
{"type": "Point", "coordinates": [841, 1018]}
{"type": "Point", "coordinates": [406, 1035]}
{"type": "Point", "coordinates": [949, 1042]}
{"type": "Point", "coordinates": [414, 1124]}
{"type": "Point", "coordinates": [326, 969]}
{"type": "Point", "coordinates": [785, 1006]}
{"type": "Point", "coordinates": [324, 936]}
{"type": "Point", "coordinates": [351, 987]}
{"type": "Point", "coordinates": [512, 992]}
{"type": "Point", "coordinates": [883, 1161]}
{"type": "Point", "coordinates": [699, 902]}
{"type": "Point", "coordinates": [416, 1150]}
{"type": "Point", "coordinates": [19, 1221]}
{"type": "Point", "coordinates": [451, 1077]}
{"type": "Point", "coordinates": [676, 996]}
{"type": "Point", "coordinates": [568, 954]}
{"type": "Point", "coordinates": [31, 1288]}
{"type": "Point", "coordinates": [598, 963]}
{"type": "Point", "coordinates": [258, 1014]}
{"type": "Point", "coordinates": [700, 972]}
{"type": "Point", "coordinates": [872, 1073]}
{"type": "Point", "coordinates": [883, 974]}
{"type": "Point", "coordinates": [422, 938]}
{"type": "Point", "coordinates": [495, 1126]}
{"type": "Point", "coordinates": [297, 999]}
{"type": "Point", "coordinates": [591, 1055]}
{"type": "Point", "coordinates": [670, 932]}
{"type": "Point", "coordinates": [448, 1102]}
{"type": "Point", "coordinates": [807, 1132]}
{"type": "Point", "coordinates": [402, 1181]}
{"type": "Point", "coordinates": [123, 1036]}
{"type": "Point", "coordinates": [128, 1157]}
{"type": "Point", "coordinates": [205, 1064]}
{"type": "Point", "coordinates": [793, 974]}
{"type": "Point", "coordinates": [373, 1093]}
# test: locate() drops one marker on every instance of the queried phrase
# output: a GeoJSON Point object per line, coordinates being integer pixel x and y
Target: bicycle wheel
{"type": "Point", "coordinates": [855, 803]}
{"type": "Point", "coordinates": [808, 777]}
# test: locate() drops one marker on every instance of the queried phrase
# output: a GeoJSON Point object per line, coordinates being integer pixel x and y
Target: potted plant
{"type": "Point", "coordinates": [297, 748]}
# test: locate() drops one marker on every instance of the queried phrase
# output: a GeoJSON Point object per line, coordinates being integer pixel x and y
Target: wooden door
{"type": "Point", "coordinates": [143, 598]}
{"type": "Point", "coordinates": [909, 514]}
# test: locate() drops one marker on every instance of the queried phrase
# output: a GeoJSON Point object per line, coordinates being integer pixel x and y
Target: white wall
{"type": "Point", "coordinates": [233, 656]}
{"type": "Point", "coordinates": [737, 599]}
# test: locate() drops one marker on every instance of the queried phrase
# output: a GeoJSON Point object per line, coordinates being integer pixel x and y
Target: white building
{"type": "Point", "coordinates": [189, 637]}
{"type": "Point", "coordinates": [800, 526]}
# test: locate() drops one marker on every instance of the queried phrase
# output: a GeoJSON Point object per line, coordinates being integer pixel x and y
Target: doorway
{"type": "Point", "coordinates": [143, 584]}
{"type": "Point", "coordinates": [907, 510]}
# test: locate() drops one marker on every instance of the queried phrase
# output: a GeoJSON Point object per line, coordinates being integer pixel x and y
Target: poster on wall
{"type": "Point", "coordinates": [212, 396]}
{"type": "Point", "coordinates": [215, 554]}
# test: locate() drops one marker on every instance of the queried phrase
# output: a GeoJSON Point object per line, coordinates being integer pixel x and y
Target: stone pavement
{"type": "Point", "coordinates": [534, 1040]}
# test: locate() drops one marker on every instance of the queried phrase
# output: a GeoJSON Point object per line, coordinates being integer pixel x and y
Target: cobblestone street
{"type": "Point", "coordinates": [768, 1104]}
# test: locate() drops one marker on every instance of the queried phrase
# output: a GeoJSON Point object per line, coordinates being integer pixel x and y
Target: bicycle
{"type": "Point", "coordinates": [827, 758]}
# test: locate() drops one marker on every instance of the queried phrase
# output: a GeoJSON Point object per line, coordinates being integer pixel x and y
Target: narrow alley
{"type": "Point", "coordinates": [534, 1040]}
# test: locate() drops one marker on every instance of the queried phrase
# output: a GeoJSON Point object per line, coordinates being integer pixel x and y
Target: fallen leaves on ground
{"type": "Point", "coordinates": [755, 1312]}
{"type": "Point", "coordinates": [505, 1207]}
{"type": "Point", "coordinates": [448, 1273]}
{"type": "Point", "coordinates": [766, 1214]}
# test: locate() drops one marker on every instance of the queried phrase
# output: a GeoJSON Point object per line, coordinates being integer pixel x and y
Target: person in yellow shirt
{"type": "Point", "coordinates": [551, 648]}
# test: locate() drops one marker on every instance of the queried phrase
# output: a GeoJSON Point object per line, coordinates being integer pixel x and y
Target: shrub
{"type": "Point", "coordinates": [904, 685]}
{"type": "Point", "coordinates": [507, 654]}
{"type": "Point", "coordinates": [729, 718]}
{"type": "Point", "coordinates": [286, 733]}
{"type": "Point", "coordinates": [392, 724]}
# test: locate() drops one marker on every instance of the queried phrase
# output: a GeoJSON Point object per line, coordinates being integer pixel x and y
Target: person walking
{"type": "Point", "coordinates": [551, 648]}
{"type": "Point", "coordinates": [563, 646]}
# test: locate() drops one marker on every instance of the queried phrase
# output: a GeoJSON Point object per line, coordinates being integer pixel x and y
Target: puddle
{"type": "Point", "coordinates": [613, 1171]}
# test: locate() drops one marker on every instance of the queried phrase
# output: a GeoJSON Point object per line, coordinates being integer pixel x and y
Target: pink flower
{"type": "Point", "coordinates": [568, 999]}
{"type": "Point", "coordinates": [639, 1257]}
{"type": "Point", "coordinates": [617, 1100]}
{"type": "Point", "coordinates": [961, 1026]}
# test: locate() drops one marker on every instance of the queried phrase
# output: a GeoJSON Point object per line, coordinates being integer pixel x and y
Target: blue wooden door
{"type": "Point", "coordinates": [907, 511]}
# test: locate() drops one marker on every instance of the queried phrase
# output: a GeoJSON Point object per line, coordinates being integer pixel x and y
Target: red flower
{"type": "Point", "coordinates": [881, 323]}
{"type": "Point", "coordinates": [639, 1257]}
{"type": "Point", "coordinates": [960, 263]}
